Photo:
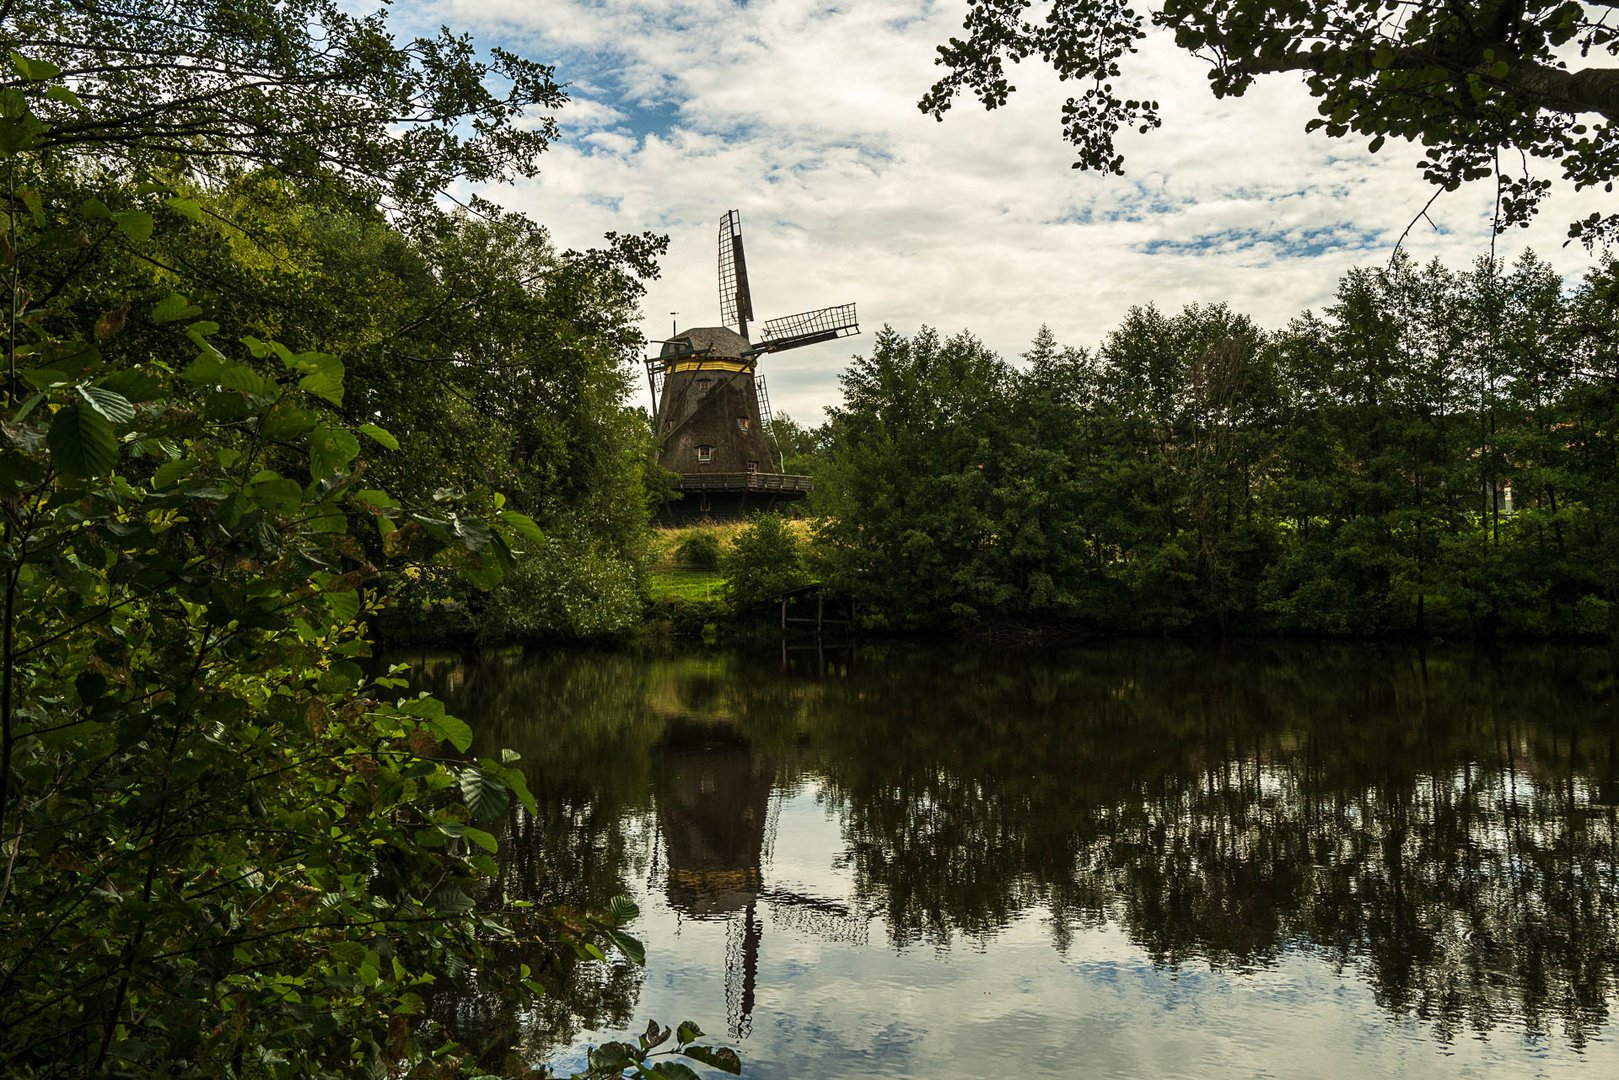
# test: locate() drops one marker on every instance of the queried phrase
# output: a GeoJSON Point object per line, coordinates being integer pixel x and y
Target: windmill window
{"type": "Point", "coordinates": [753, 466]}
{"type": "Point", "coordinates": [702, 385]}
{"type": "Point", "coordinates": [705, 453]}
{"type": "Point", "coordinates": [742, 422]}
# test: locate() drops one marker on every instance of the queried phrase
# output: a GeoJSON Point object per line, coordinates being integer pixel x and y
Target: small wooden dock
{"type": "Point", "coordinates": [795, 602]}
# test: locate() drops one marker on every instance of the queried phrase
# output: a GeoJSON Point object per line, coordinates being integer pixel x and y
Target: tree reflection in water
{"type": "Point", "coordinates": [1444, 826]}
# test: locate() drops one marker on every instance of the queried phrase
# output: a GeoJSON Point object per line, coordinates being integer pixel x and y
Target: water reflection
{"type": "Point", "coordinates": [1440, 830]}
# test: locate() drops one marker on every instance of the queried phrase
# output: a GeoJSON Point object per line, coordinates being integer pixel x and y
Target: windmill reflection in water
{"type": "Point", "coordinates": [717, 810]}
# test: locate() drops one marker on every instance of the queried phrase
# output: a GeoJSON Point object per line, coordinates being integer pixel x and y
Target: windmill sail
{"type": "Point", "coordinates": [736, 303]}
{"type": "Point", "coordinates": [809, 327]}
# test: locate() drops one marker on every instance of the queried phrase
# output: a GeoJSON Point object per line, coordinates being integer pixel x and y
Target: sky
{"type": "Point", "coordinates": [802, 115]}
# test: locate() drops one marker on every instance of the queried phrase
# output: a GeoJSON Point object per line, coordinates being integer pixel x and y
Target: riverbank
{"type": "Point", "coordinates": [717, 582]}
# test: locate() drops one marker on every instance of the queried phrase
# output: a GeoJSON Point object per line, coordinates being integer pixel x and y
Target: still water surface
{"type": "Point", "coordinates": [1151, 860]}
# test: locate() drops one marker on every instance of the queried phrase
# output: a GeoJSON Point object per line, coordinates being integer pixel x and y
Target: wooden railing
{"type": "Point", "coordinates": [746, 481]}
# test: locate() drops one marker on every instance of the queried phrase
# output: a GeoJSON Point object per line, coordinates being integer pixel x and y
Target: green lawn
{"type": "Point", "coordinates": [686, 583]}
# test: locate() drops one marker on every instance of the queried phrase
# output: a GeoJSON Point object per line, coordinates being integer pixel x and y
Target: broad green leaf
{"type": "Point", "coordinates": [204, 369]}
{"type": "Point", "coordinates": [519, 784]}
{"type": "Point", "coordinates": [167, 473]}
{"type": "Point", "coordinates": [451, 899]}
{"type": "Point", "coordinates": [521, 524]}
{"type": "Point", "coordinates": [82, 442]}
{"type": "Point", "coordinates": [631, 947]}
{"type": "Point", "coordinates": [328, 519]}
{"type": "Point", "coordinates": [452, 730]}
{"type": "Point", "coordinates": [622, 909]}
{"type": "Point", "coordinates": [58, 92]}
{"type": "Point", "coordinates": [484, 840]}
{"type": "Point", "coordinates": [36, 205]}
{"type": "Point", "coordinates": [34, 70]}
{"type": "Point", "coordinates": [472, 532]}
{"type": "Point", "coordinates": [28, 408]}
{"type": "Point", "coordinates": [287, 420]}
{"type": "Point", "coordinates": [687, 1032]}
{"type": "Point", "coordinates": [174, 307]}
{"type": "Point", "coordinates": [613, 1057]}
{"type": "Point", "coordinates": [323, 386]}
{"type": "Point", "coordinates": [114, 406]}
{"type": "Point", "coordinates": [323, 373]}
{"type": "Point", "coordinates": [135, 224]}
{"type": "Point", "coordinates": [278, 493]}
{"type": "Point", "coordinates": [343, 605]}
{"type": "Point", "coordinates": [380, 435]}
{"type": "Point", "coordinates": [243, 378]}
{"type": "Point", "coordinates": [486, 796]}
{"type": "Point", "coordinates": [186, 208]}
{"type": "Point", "coordinates": [331, 449]}
{"type": "Point", "coordinates": [45, 378]}
{"type": "Point", "coordinates": [375, 497]}
{"type": "Point", "coordinates": [134, 385]}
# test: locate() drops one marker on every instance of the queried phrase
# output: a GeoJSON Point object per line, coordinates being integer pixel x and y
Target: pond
{"type": "Point", "coordinates": [1139, 860]}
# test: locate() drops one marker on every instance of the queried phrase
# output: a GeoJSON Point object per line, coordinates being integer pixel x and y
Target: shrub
{"type": "Point", "coordinates": [700, 550]}
{"type": "Point", "coordinates": [765, 559]}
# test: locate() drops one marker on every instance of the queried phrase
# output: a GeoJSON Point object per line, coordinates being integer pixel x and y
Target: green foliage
{"type": "Point", "coordinates": [306, 87]}
{"type": "Point", "coordinates": [231, 846]}
{"type": "Point", "coordinates": [915, 469]}
{"type": "Point", "coordinates": [1350, 474]}
{"type": "Point", "coordinates": [1464, 80]}
{"type": "Point", "coordinates": [564, 588]}
{"type": "Point", "coordinates": [493, 360]}
{"type": "Point", "coordinates": [623, 1058]}
{"type": "Point", "coordinates": [700, 550]}
{"type": "Point", "coordinates": [217, 822]}
{"type": "Point", "coordinates": [764, 559]}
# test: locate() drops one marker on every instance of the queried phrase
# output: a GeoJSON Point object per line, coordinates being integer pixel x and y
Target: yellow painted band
{"type": "Point", "coordinates": [709, 365]}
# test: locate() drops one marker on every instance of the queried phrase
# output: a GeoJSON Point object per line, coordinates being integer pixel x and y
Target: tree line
{"type": "Point", "coordinates": [1434, 453]}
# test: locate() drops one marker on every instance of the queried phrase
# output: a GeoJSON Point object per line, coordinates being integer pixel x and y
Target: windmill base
{"type": "Point", "coordinates": [720, 497]}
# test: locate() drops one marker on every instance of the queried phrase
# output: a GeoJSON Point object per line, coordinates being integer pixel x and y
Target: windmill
{"type": "Point", "coordinates": [712, 406]}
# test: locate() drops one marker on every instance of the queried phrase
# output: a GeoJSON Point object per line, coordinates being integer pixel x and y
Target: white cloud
{"type": "Point", "coordinates": [803, 116]}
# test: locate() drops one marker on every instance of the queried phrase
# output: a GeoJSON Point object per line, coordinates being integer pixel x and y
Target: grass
{"type": "Point", "coordinates": [686, 583]}
{"type": "Point", "coordinates": [671, 578]}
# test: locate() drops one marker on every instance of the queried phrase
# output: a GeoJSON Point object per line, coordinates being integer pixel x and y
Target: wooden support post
{"type": "Point", "coordinates": [784, 613]}
{"type": "Point", "coordinates": [820, 610]}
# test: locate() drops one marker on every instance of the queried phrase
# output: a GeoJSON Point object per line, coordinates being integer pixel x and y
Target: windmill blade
{"type": "Point", "coordinates": [809, 327]}
{"type": "Point", "coordinates": [736, 303]}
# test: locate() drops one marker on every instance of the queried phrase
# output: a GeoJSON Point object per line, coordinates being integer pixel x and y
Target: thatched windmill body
{"type": "Point", "coordinates": [712, 406]}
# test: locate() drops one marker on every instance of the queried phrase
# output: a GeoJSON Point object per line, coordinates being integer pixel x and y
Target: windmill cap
{"type": "Point", "coordinates": [717, 341]}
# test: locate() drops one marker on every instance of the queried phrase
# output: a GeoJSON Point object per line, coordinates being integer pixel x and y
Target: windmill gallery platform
{"type": "Point", "coordinates": [713, 412]}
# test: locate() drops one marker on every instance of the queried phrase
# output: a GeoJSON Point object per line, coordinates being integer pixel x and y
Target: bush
{"type": "Point", "coordinates": [765, 559]}
{"type": "Point", "coordinates": [565, 588]}
{"type": "Point", "coordinates": [700, 550]}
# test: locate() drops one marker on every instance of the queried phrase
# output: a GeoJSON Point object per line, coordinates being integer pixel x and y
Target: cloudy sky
{"type": "Point", "coordinates": [803, 115]}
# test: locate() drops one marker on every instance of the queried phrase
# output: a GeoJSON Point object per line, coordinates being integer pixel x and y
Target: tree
{"type": "Point", "coordinates": [919, 449]}
{"type": "Point", "coordinates": [206, 800]}
{"type": "Point", "coordinates": [303, 86]}
{"type": "Point", "coordinates": [764, 560]}
{"type": "Point", "coordinates": [1484, 85]}
{"type": "Point", "coordinates": [225, 847]}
